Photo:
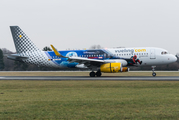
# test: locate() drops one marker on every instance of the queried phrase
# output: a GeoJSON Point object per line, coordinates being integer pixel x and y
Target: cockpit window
{"type": "Point", "coordinates": [164, 52]}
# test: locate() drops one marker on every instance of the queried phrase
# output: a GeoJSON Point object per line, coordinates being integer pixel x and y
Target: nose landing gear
{"type": "Point", "coordinates": [154, 74]}
{"type": "Point", "coordinates": [153, 69]}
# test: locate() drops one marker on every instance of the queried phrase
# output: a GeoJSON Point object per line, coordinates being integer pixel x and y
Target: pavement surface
{"type": "Point", "coordinates": [117, 78]}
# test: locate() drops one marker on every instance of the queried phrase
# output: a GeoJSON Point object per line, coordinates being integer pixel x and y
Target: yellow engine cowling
{"type": "Point", "coordinates": [111, 67]}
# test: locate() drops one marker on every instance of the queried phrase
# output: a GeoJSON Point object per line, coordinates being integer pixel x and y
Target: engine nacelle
{"type": "Point", "coordinates": [111, 67]}
{"type": "Point", "coordinates": [125, 69]}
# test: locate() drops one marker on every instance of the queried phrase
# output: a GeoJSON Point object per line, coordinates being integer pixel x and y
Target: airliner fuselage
{"type": "Point", "coordinates": [147, 55]}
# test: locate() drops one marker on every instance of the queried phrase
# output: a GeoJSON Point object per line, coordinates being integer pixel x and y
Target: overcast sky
{"type": "Point", "coordinates": [79, 24]}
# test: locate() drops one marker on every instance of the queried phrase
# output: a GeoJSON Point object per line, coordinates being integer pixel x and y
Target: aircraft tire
{"type": "Point", "coordinates": [92, 74]}
{"type": "Point", "coordinates": [153, 74]}
{"type": "Point", "coordinates": [98, 74]}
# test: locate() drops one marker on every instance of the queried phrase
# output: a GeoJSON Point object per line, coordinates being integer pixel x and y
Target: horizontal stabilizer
{"type": "Point", "coordinates": [17, 57]}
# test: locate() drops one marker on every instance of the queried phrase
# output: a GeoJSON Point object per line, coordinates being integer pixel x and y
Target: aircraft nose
{"type": "Point", "coordinates": [174, 58]}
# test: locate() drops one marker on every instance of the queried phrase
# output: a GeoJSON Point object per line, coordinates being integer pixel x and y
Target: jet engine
{"type": "Point", "coordinates": [113, 68]}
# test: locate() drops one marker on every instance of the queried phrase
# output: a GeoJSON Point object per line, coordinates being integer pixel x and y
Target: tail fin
{"type": "Point", "coordinates": [21, 41]}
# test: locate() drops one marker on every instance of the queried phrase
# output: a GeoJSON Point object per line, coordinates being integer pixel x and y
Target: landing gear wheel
{"type": "Point", "coordinates": [98, 74]}
{"type": "Point", "coordinates": [92, 74]}
{"type": "Point", "coordinates": [153, 69]}
{"type": "Point", "coordinates": [154, 74]}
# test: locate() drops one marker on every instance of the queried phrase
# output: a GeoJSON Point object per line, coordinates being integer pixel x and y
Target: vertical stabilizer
{"type": "Point", "coordinates": [27, 50]}
{"type": "Point", "coordinates": [21, 41]}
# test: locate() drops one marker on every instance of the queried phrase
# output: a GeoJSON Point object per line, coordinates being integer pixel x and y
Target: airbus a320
{"type": "Point", "coordinates": [112, 60]}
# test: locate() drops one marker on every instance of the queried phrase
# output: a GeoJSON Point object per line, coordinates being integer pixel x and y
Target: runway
{"type": "Point", "coordinates": [115, 78]}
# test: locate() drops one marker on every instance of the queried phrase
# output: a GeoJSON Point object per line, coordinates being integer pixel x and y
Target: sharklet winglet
{"type": "Point", "coordinates": [56, 52]}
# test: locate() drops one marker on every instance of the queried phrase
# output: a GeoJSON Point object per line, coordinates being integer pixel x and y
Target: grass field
{"type": "Point", "coordinates": [89, 100]}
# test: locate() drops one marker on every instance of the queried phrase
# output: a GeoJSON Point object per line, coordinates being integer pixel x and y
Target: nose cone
{"type": "Point", "coordinates": [174, 58]}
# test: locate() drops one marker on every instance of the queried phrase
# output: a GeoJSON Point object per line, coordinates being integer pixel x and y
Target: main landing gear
{"type": "Point", "coordinates": [153, 69]}
{"type": "Point", "coordinates": [93, 74]}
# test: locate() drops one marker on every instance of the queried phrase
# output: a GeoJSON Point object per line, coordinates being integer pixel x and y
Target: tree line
{"type": "Point", "coordinates": [11, 65]}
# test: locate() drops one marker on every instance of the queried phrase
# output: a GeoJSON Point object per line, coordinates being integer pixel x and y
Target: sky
{"type": "Point", "coordinates": [79, 24]}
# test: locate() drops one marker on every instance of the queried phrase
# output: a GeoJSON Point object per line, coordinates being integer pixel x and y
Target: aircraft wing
{"type": "Point", "coordinates": [86, 61]}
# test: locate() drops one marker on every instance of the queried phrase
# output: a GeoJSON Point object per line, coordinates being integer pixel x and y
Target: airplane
{"type": "Point", "coordinates": [108, 60]}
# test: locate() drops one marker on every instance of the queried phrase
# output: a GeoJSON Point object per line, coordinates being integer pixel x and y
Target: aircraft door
{"type": "Point", "coordinates": [152, 54]}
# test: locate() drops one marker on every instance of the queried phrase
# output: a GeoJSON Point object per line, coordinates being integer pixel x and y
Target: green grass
{"type": "Point", "coordinates": [89, 100]}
